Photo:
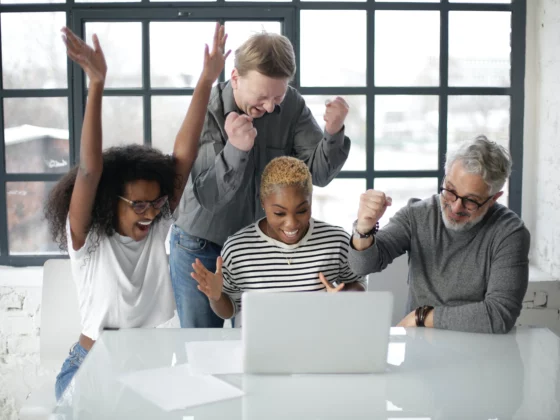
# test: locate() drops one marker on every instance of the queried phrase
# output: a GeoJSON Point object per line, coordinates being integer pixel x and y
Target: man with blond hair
{"type": "Point", "coordinates": [251, 119]}
{"type": "Point", "coordinates": [467, 254]}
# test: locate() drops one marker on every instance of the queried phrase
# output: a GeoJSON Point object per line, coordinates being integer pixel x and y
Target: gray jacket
{"type": "Point", "coordinates": [222, 193]}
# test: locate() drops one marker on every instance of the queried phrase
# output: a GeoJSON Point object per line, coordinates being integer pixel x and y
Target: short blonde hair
{"type": "Point", "coordinates": [270, 54]}
{"type": "Point", "coordinates": [285, 171]}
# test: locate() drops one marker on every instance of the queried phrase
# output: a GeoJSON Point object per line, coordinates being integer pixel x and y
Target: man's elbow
{"type": "Point", "coordinates": [505, 321]}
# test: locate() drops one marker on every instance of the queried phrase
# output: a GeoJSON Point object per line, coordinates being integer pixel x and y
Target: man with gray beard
{"type": "Point", "coordinates": [467, 254]}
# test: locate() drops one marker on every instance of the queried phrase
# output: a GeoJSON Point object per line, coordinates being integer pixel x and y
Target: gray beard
{"type": "Point", "coordinates": [458, 227]}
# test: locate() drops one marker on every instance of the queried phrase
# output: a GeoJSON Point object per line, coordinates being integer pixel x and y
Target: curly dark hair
{"type": "Point", "coordinates": [121, 165]}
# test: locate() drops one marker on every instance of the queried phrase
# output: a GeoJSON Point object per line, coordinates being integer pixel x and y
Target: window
{"type": "Point", "coordinates": [420, 76]}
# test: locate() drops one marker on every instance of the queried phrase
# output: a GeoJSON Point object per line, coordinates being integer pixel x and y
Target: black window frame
{"type": "Point", "coordinates": [289, 14]}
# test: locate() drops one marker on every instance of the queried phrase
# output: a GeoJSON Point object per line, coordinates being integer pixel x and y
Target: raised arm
{"type": "Point", "coordinates": [92, 61]}
{"type": "Point", "coordinates": [186, 142]}
{"type": "Point", "coordinates": [323, 152]}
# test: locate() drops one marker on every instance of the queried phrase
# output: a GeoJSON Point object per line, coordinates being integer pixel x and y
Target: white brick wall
{"type": "Point", "coordinates": [542, 134]}
{"type": "Point", "coordinates": [20, 320]}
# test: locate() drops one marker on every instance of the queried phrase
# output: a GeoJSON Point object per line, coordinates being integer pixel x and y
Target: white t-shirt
{"type": "Point", "coordinates": [255, 262]}
{"type": "Point", "coordinates": [123, 283]}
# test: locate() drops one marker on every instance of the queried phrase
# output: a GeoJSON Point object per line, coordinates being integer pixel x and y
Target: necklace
{"type": "Point", "coordinates": [288, 260]}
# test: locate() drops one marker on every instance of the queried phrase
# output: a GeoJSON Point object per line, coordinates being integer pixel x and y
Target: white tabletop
{"type": "Point", "coordinates": [431, 374]}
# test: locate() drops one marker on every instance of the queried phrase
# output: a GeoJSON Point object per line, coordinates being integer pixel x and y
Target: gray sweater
{"type": "Point", "coordinates": [476, 280]}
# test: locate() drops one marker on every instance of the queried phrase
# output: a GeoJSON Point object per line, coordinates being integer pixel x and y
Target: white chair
{"type": "Point", "coordinates": [60, 328]}
{"type": "Point", "coordinates": [394, 279]}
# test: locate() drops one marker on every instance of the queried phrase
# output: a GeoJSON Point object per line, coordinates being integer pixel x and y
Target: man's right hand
{"type": "Point", "coordinates": [372, 207]}
{"type": "Point", "coordinates": [240, 131]}
{"type": "Point", "coordinates": [209, 283]}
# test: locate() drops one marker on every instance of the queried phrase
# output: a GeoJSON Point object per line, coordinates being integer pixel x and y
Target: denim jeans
{"type": "Point", "coordinates": [193, 306]}
{"type": "Point", "coordinates": [75, 358]}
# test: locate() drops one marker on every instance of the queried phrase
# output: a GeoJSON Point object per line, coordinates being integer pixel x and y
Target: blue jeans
{"type": "Point", "coordinates": [75, 358]}
{"type": "Point", "coordinates": [193, 306]}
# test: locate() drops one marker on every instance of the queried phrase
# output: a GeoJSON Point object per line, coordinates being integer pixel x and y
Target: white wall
{"type": "Point", "coordinates": [541, 180]}
{"type": "Point", "coordinates": [20, 320]}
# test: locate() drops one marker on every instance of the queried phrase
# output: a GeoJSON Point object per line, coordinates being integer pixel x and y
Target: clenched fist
{"type": "Point", "coordinates": [372, 207]}
{"type": "Point", "coordinates": [240, 131]}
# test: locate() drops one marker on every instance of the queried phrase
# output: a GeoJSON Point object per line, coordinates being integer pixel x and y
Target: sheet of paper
{"type": "Point", "coordinates": [174, 388]}
{"type": "Point", "coordinates": [215, 357]}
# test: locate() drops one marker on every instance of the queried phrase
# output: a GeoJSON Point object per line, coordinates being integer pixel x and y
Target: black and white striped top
{"type": "Point", "coordinates": [253, 261]}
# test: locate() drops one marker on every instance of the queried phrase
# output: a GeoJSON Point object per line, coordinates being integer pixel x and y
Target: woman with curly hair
{"type": "Point", "coordinates": [113, 211]}
{"type": "Point", "coordinates": [286, 251]}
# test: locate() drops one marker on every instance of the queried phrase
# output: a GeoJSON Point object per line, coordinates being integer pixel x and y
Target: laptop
{"type": "Point", "coordinates": [345, 332]}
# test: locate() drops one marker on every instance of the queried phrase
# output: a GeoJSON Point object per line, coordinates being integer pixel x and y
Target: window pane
{"type": "Point", "coordinates": [406, 60]}
{"type": "Point", "coordinates": [27, 229]}
{"type": "Point", "coordinates": [470, 116]}
{"type": "Point", "coordinates": [407, 1]}
{"type": "Point", "coordinates": [239, 32]}
{"type": "Point", "coordinates": [479, 48]}
{"type": "Point", "coordinates": [480, 1]}
{"type": "Point", "coordinates": [403, 189]}
{"type": "Point", "coordinates": [122, 46]}
{"type": "Point", "coordinates": [337, 0]}
{"type": "Point", "coordinates": [333, 48]}
{"type": "Point", "coordinates": [123, 121]}
{"type": "Point", "coordinates": [252, 1]}
{"type": "Point", "coordinates": [33, 55]}
{"type": "Point", "coordinates": [355, 126]}
{"type": "Point", "coordinates": [30, 1]}
{"type": "Point", "coordinates": [171, 68]}
{"type": "Point", "coordinates": [406, 132]}
{"type": "Point", "coordinates": [36, 135]}
{"type": "Point", "coordinates": [107, 1]}
{"type": "Point", "coordinates": [168, 113]}
{"type": "Point", "coordinates": [338, 202]}
{"type": "Point", "coordinates": [155, 1]}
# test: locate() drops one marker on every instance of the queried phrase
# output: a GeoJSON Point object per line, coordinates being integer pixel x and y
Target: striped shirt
{"type": "Point", "coordinates": [254, 262]}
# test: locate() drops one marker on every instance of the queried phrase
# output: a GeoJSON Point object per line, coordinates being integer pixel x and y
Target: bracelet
{"type": "Point", "coordinates": [372, 232]}
{"type": "Point", "coordinates": [421, 313]}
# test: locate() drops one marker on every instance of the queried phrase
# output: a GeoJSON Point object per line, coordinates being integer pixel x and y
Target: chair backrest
{"type": "Point", "coordinates": [60, 315]}
{"type": "Point", "coordinates": [393, 279]}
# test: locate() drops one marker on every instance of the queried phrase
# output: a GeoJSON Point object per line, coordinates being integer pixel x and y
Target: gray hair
{"type": "Point", "coordinates": [485, 158]}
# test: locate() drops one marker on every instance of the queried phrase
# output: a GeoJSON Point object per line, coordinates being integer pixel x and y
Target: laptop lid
{"type": "Point", "coordinates": [345, 332]}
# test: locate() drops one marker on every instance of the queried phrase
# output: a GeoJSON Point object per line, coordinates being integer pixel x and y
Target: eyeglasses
{"type": "Point", "coordinates": [469, 204]}
{"type": "Point", "coordinates": [141, 207]}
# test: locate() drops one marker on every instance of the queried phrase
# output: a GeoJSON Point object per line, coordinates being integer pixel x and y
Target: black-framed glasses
{"type": "Point", "coordinates": [468, 203]}
{"type": "Point", "coordinates": [141, 207]}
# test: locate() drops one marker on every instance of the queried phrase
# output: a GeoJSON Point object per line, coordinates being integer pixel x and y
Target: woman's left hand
{"type": "Point", "coordinates": [329, 287]}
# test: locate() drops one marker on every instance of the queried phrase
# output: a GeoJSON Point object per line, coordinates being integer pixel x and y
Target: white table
{"type": "Point", "coordinates": [432, 374]}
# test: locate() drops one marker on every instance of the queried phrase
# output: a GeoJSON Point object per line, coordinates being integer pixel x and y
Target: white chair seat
{"type": "Point", "coordinates": [60, 328]}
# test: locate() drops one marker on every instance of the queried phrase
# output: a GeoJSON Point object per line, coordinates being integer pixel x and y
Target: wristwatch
{"type": "Point", "coordinates": [361, 235]}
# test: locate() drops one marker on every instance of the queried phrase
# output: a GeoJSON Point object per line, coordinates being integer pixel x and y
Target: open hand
{"type": "Point", "coordinates": [329, 287]}
{"type": "Point", "coordinates": [214, 60]}
{"type": "Point", "coordinates": [209, 283]}
{"type": "Point", "coordinates": [91, 60]}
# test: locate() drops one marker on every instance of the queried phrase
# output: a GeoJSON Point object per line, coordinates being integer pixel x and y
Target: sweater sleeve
{"type": "Point", "coordinates": [390, 242]}
{"type": "Point", "coordinates": [507, 284]}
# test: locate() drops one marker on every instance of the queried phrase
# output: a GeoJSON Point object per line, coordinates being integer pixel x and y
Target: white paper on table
{"type": "Point", "coordinates": [174, 388]}
{"type": "Point", "coordinates": [215, 357]}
